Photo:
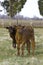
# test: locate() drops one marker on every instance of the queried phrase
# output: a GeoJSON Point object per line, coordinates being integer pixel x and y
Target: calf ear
{"type": "Point", "coordinates": [7, 27]}
{"type": "Point", "coordinates": [14, 27]}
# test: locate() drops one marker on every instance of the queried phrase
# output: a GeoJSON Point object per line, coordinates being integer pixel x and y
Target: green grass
{"type": "Point", "coordinates": [8, 53]}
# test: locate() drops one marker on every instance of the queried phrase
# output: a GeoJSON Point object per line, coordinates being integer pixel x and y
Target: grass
{"type": "Point", "coordinates": [8, 53]}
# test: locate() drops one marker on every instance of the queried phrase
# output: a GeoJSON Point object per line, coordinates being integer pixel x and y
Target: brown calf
{"type": "Point", "coordinates": [24, 34]}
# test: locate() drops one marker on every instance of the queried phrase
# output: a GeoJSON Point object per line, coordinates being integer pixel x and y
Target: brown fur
{"type": "Point", "coordinates": [24, 34]}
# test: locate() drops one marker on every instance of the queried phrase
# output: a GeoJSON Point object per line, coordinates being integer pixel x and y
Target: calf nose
{"type": "Point", "coordinates": [14, 45]}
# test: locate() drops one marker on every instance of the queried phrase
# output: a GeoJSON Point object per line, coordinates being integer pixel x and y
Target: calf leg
{"type": "Point", "coordinates": [22, 48]}
{"type": "Point", "coordinates": [33, 45]}
{"type": "Point", "coordinates": [18, 49]}
{"type": "Point", "coordinates": [28, 47]}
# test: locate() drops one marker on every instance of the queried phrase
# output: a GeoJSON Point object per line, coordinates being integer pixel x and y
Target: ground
{"type": "Point", "coordinates": [8, 53]}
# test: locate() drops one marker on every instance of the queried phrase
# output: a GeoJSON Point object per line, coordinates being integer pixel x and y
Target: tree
{"type": "Point", "coordinates": [12, 6]}
{"type": "Point", "coordinates": [40, 3]}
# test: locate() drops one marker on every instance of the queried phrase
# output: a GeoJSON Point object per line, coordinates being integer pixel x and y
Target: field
{"type": "Point", "coordinates": [8, 53]}
{"type": "Point", "coordinates": [7, 22]}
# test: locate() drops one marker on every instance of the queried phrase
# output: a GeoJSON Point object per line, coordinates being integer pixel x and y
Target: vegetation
{"type": "Point", "coordinates": [13, 6]}
{"type": "Point", "coordinates": [40, 3]}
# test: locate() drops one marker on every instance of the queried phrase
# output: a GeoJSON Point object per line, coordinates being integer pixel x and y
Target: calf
{"type": "Point", "coordinates": [12, 32]}
{"type": "Point", "coordinates": [24, 34]}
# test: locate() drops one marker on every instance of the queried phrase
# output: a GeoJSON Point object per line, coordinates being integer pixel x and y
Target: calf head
{"type": "Point", "coordinates": [19, 28]}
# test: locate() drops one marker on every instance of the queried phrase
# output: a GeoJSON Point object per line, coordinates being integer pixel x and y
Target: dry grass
{"type": "Point", "coordinates": [7, 22]}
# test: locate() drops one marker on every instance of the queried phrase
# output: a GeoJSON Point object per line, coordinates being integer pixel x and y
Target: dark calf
{"type": "Point", "coordinates": [12, 32]}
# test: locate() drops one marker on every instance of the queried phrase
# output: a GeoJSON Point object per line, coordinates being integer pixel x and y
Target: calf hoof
{"type": "Point", "coordinates": [22, 55]}
{"type": "Point", "coordinates": [18, 54]}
